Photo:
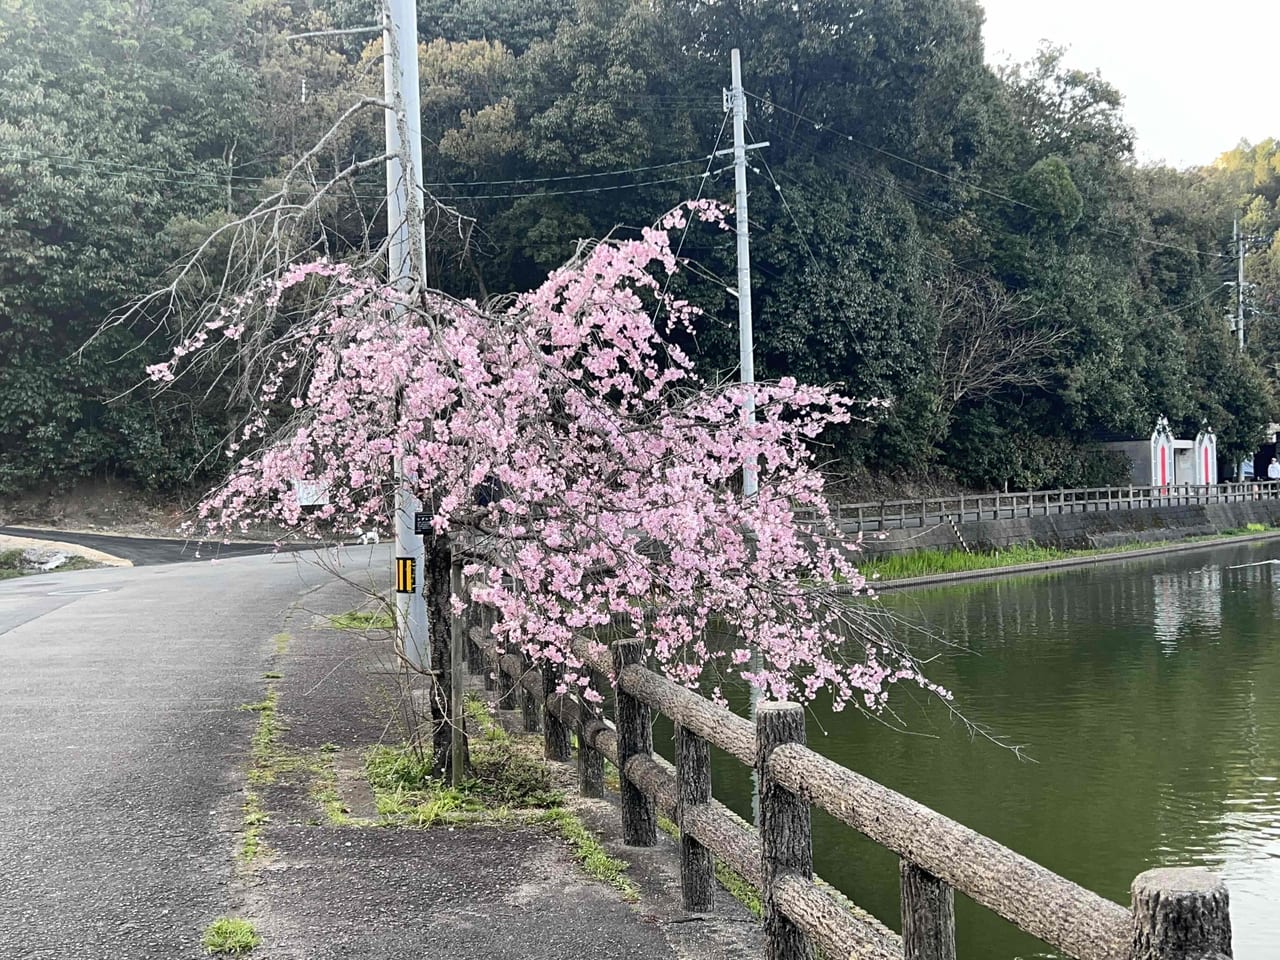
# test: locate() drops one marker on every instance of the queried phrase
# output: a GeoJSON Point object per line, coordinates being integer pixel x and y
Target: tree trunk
{"type": "Point", "coordinates": [437, 561]}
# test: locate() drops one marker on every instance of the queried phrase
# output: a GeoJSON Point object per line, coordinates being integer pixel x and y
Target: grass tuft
{"type": "Point", "coordinates": [589, 852]}
{"type": "Point", "coordinates": [230, 936]}
{"type": "Point", "coordinates": [477, 712]}
{"type": "Point", "coordinates": [268, 730]}
{"type": "Point", "coordinates": [506, 776]}
{"type": "Point", "coordinates": [362, 620]}
{"type": "Point", "coordinates": [254, 819]}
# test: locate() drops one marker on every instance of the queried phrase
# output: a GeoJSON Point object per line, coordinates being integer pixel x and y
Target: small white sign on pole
{"type": "Point", "coordinates": [311, 493]}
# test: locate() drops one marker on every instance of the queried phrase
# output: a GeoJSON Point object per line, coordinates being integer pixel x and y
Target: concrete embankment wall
{"type": "Point", "coordinates": [1106, 528]}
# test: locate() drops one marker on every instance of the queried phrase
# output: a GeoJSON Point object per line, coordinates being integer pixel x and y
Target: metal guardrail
{"type": "Point", "coordinates": [1176, 914]}
{"type": "Point", "coordinates": [877, 515]}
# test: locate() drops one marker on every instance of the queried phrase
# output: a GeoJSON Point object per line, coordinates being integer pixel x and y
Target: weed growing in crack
{"type": "Point", "coordinates": [589, 852]}
{"type": "Point", "coordinates": [255, 817]}
{"type": "Point", "coordinates": [362, 620]}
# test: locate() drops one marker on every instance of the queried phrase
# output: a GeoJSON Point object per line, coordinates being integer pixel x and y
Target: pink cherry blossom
{"type": "Point", "coordinates": [568, 433]}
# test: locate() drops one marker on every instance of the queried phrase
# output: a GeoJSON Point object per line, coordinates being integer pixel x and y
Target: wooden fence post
{"type": "Point", "coordinates": [555, 732]}
{"type": "Point", "coordinates": [1180, 913]}
{"type": "Point", "coordinates": [506, 684]}
{"type": "Point", "coordinates": [457, 641]}
{"type": "Point", "coordinates": [928, 915]}
{"type": "Point", "coordinates": [693, 786]}
{"type": "Point", "coordinates": [476, 616]}
{"type": "Point", "coordinates": [528, 705]}
{"type": "Point", "coordinates": [590, 761]}
{"type": "Point", "coordinates": [635, 738]}
{"type": "Point", "coordinates": [786, 842]}
{"type": "Point", "coordinates": [492, 677]}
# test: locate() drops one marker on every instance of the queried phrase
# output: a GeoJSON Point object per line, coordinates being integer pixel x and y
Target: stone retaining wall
{"type": "Point", "coordinates": [1106, 528]}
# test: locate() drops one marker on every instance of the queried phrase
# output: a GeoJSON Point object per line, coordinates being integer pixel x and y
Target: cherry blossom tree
{"type": "Point", "coordinates": [567, 443]}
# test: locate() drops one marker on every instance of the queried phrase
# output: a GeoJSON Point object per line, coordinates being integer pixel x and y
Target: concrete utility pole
{"type": "Point", "coordinates": [406, 268]}
{"type": "Point", "coordinates": [736, 100]}
{"type": "Point", "coordinates": [1238, 236]}
{"type": "Point", "coordinates": [746, 347]}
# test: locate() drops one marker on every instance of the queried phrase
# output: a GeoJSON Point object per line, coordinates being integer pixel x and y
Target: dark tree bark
{"type": "Point", "coordinates": [437, 561]}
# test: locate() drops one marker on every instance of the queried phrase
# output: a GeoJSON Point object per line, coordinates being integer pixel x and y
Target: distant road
{"type": "Point", "coordinates": [145, 551]}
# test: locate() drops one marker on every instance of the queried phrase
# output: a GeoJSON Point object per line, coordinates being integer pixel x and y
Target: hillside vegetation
{"type": "Point", "coordinates": [979, 245]}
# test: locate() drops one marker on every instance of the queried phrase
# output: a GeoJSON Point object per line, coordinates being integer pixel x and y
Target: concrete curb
{"type": "Point", "coordinates": [960, 576]}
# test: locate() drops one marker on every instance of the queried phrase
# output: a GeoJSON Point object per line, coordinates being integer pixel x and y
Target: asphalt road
{"type": "Point", "coordinates": [143, 551]}
{"type": "Point", "coordinates": [121, 743]}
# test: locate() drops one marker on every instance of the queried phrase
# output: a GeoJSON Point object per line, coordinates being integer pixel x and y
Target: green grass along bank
{"type": "Point", "coordinates": [1057, 540]}
{"type": "Point", "coordinates": [909, 568]}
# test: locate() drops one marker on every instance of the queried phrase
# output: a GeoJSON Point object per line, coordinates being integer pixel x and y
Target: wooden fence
{"type": "Point", "coordinates": [928, 511]}
{"type": "Point", "coordinates": [1176, 914]}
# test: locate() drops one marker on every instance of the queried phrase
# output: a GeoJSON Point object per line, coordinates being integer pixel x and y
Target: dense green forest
{"type": "Point", "coordinates": [980, 245]}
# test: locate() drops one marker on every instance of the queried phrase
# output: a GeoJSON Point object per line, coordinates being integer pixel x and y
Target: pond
{"type": "Point", "coordinates": [1145, 699]}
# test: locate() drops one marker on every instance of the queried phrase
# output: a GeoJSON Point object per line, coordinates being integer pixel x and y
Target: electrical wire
{"type": "Point", "coordinates": [819, 125]}
{"type": "Point", "coordinates": [711, 158]}
{"type": "Point", "coordinates": [218, 179]}
{"type": "Point", "coordinates": [786, 206]}
{"type": "Point", "coordinates": [1186, 306]}
{"type": "Point", "coordinates": [889, 181]}
{"type": "Point", "coordinates": [562, 193]}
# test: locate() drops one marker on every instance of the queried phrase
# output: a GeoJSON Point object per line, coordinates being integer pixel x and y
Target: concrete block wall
{"type": "Point", "coordinates": [1106, 528]}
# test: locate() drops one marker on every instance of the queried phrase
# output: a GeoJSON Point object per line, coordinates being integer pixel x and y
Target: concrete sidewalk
{"type": "Point", "coordinates": [509, 892]}
{"type": "Point", "coordinates": [124, 762]}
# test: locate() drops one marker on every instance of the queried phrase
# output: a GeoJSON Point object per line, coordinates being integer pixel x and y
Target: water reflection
{"type": "Point", "coordinates": [1145, 694]}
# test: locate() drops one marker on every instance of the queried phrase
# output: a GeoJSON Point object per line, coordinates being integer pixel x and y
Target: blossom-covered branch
{"type": "Point", "coordinates": [570, 438]}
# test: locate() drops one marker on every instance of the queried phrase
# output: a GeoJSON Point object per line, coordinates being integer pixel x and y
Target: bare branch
{"type": "Point", "coordinates": [988, 341]}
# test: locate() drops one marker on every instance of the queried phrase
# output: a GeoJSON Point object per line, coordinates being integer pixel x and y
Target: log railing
{"type": "Point", "coordinates": [930, 511]}
{"type": "Point", "coordinates": [1176, 914]}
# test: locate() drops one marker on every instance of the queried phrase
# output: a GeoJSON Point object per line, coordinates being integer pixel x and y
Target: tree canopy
{"type": "Point", "coordinates": [899, 165]}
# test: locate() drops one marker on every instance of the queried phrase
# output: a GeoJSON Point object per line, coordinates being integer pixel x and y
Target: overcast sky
{"type": "Point", "coordinates": [1196, 76]}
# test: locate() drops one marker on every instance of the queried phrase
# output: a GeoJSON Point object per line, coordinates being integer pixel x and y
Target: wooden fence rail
{"type": "Point", "coordinates": [926, 511]}
{"type": "Point", "coordinates": [1177, 914]}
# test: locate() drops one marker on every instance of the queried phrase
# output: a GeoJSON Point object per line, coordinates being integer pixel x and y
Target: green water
{"type": "Point", "coordinates": [1145, 697]}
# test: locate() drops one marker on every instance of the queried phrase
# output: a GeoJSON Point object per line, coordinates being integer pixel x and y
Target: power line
{"type": "Point", "coordinates": [1178, 309]}
{"type": "Point", "coordinates": [221, 178]}
{"type": "Point", "coordinates": [819, 125]}
{"type": "Point", "coordinates": [711, 158]}
{"type": "Point", "coordinates": [561, 193]}
{"type": "Point", "coordinates": [891, 182]}
{"type": "Point", "coordinates": [119, 169]}
{"type": "Point", "coordinates": [781, 196]}
{"type": "Point", "coordinates": [572, 176]}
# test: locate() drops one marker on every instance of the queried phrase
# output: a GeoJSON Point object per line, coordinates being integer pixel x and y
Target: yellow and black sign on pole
{"type": "Point", "coordinates": [404, 575]}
